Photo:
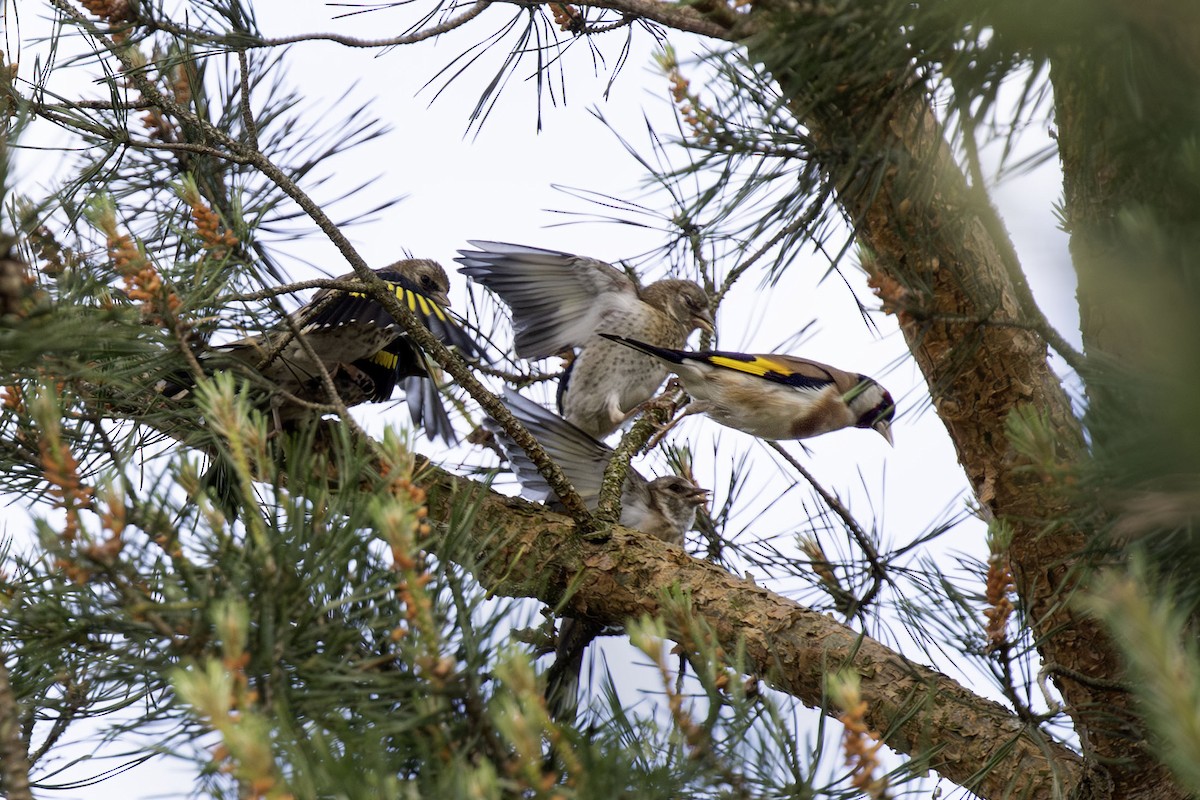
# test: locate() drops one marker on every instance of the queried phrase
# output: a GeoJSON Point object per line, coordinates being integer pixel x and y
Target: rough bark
{"type": "Point", "coordinates": [527, 551]}
{"type": "Point", "coordinates": [1127, 117]}
{"type": "Point", "coordinates": [937, 264]}
{"type": "Point", "coordinates": [14, 753]}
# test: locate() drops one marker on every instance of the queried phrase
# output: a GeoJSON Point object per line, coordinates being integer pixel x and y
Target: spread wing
{"type": "Point", "coordinates": [581, 457]}
{"type": "Point", "coordinates": [557, 299]}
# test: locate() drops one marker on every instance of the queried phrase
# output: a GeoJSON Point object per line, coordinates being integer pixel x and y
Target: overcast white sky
{"type": "Point", "coordinates": [499, 185]}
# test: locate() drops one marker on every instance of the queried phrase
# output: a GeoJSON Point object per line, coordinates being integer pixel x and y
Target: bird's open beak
{"type": "Point", "coordinates": [698, 495]}
{"type": "Point", "coordinates": [885, 430]}
{"type": "Point", "coordinates": [704, 322]}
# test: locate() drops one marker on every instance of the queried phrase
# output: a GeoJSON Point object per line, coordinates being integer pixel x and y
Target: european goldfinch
{"type": "Point", "coordinates": [775, 396]}
{"type": "Point", "coordinates": [364, 350]}
{"type": "Point", "coordinates": [664, 507]}
{"type": "Point", "coordinates": [562, 302]}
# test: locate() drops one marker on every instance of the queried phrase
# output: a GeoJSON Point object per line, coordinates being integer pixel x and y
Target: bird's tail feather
{"type": "Point", "coordinates": [221, 484]}
{"type": "Point", "coordinates": [427, 410]}
{"type": "Point", "coordinates": [562, 679]}
{"type": "Point", "coordinates": [581, 457]}
{"type": "Point", "coordinates": [666, 354]}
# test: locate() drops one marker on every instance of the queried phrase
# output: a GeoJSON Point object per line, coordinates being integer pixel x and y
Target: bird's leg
{"type": "Point", "coordinates": [664, 401]}
{"type": "Point", "coordinates": [669, 402]}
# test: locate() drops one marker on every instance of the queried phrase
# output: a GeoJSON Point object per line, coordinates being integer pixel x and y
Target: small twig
{"type": "Point", "coordinates": [878, 573]}
{"type": "Point", "coordinates": [247, 113]}
{"type": "Point", "coordinates": [92, 105]}
{"type": "Point", "coordinates": [625, 21]}
{"type": "Point", "coordinates": [344, 284]}
{"type": "Point", "coordinates": [680, 16]}
{"type": "Point", "coordinates": [76, 697]}
{"type": "Point", "coordinates": [518, 378]}
{"type": "Point", "coordinates": [609, 503]}
{"type": "Point", "coordinates": [1090, 680]}
{"type": "Point", "coordinates": [186, 147]}
{"type": "Point", "coordinates": [739, 270]}
{"type": "Point", "coordinates": [696, 242]}
{"type": "Point", "coordinates": [1043, 683]}
{"type": "Point", "coordinates": [1004, 654]}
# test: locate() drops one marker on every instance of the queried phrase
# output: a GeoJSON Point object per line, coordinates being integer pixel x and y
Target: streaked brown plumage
{"type": "Point", "coordinates": [562, 302]}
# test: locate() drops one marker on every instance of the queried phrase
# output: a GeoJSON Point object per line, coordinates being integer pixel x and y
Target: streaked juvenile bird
{"type": "Point", "coordinates": [364, 350]}
{"type": "Point", "coordinates": [775, 396]}
{"type": "Point", "coordinates": [664, 507]}
{"type": "Point", "coordinates": [562, 302]}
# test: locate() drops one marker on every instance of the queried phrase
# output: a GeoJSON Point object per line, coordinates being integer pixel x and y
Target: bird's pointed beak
{"type": "Point", "coordinates": [698, 496]}
{"type": "Point", "coordinates": [442, 299]}
{"type": "Point", "coordinates": [705, 322]}
{"type": "Point", "coordinates": [885, 430]}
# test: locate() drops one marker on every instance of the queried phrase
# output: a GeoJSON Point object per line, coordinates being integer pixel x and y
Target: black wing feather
{"type": "Point", "coordinates": [357, 308]}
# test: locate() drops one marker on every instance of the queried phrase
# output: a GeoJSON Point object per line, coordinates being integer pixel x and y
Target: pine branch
{"type": "Point", "coordinates": [242, 40]}
{"type": "Point", "coordinates": [536, 553]}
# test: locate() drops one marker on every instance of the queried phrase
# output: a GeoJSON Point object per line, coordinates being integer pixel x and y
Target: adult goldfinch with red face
{"type": "Point", "coordinates": [775, 396]}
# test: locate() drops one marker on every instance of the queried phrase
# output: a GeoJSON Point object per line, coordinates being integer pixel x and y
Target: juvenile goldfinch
{"type": "Point", "coordinates": [775, 396]}
{"type": "Point", "coordinates": [364, 350]}
{"type": "Point", "coordinates": [562, 302]}
{"type": "Point", "coordinates": [664, 507]}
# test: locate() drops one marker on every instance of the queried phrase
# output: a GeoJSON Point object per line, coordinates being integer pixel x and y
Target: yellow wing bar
{"type": "Point", "coordinates": [753, 365]}
{"type": "Point", "coordinates": [417, 303]}
{"type": "Point", "coordinates": [385, 359]}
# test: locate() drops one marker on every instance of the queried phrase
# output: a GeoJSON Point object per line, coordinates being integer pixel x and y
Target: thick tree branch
{"type": "Point", "coordinates": [932, 246]}
{"type": "Point", "coordinates": [531, 552]}
{"type": "Point", "coordinates": [528, 551]}
{"type": "Point", "coordinates": [14, 752]}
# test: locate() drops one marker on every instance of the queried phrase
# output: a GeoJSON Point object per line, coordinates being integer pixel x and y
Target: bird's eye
{"type": "Point", "coordinates": [427, 282]}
